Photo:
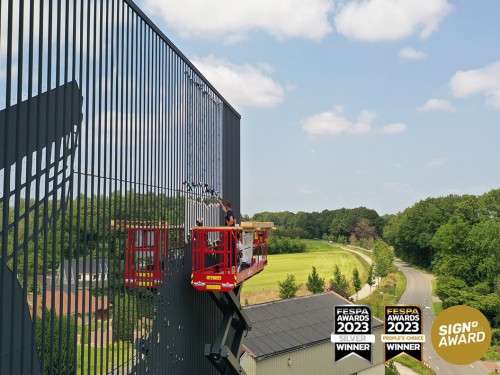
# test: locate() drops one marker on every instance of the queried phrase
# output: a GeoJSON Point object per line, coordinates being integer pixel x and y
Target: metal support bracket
{"type": "Point", "coordinates": [223, 353]}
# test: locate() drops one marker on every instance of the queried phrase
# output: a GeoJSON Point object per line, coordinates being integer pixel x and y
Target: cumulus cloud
{"type": "Point", "coordinates": [436, 105]}
{"type": "Point", "coordinates": [335, 123]}
{"type": "Point", "coordinates": [373, 20]}
{"type": "Point", "coordinates": [234, 21]}
{"type": "Point", "coordinates": [411, 54]}
{"type": "Point", "coordinates": [485, 81]}
{"type": "Point", "coordinates": [241, 85]}
{"type": "Point", "coordinates": [394, 128]}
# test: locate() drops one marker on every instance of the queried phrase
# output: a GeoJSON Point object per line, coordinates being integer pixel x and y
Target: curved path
{"type": "Point", "coordinates": [366, 290]}
{"type": "Point", "coordinates": [419, 292]}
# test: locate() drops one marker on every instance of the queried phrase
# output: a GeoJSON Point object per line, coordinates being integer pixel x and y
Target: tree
{"type": "Point", "coordinates": [363, 229]}
{"type": "Point", "coordinates": [370, 281]}
{"type": "Point", "coordinates": [483, 244]}
{"type": "Point", "coordinates": [339, 283]}
{"type": "Point", "coordinates": [315, 283]}
{"type": "Point", "coordinates": [411, 232]}
{"type": "Point", "coordinates": [288, 288]}
{"type": "Point", "coordinates": [383, 257]}
{"type": "Point", "coordinates": [356, 281]}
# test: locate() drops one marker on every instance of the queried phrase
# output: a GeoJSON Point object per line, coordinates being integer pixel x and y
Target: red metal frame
{"type": "Point", "coordinates": [147, 252]}
{"type": "Point", "coordinates": [224, 257]}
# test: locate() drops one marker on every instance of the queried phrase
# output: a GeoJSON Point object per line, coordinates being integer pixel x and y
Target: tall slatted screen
{"type": "Point", "coordinates": [112, 145]}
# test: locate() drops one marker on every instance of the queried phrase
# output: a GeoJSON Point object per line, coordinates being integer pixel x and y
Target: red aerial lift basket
{"type": "Point", "coordinates": [224, 257]}
{"type": "Point", "coordinates": [148, 245]}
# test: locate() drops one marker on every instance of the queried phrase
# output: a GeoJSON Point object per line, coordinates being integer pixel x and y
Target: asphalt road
{"type": "Point", "coordinates": [419, 292]}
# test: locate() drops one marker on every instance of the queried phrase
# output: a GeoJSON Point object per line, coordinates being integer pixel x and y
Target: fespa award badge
{"type": "Point", "coordinates": [352, 327]}
{"type": "Point", "coordinates": [403, 331]}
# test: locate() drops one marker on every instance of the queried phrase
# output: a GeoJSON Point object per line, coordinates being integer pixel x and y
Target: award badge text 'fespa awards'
{"type": "Point", "coordinates": [352, 327]}
{"type": "Point", "coordinates": [403, 331]}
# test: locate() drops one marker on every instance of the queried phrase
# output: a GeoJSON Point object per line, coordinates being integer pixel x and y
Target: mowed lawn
{"type": "Point", "coordinates": [320, 254]}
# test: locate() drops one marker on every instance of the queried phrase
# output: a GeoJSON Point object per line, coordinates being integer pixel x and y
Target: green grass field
{"type": "Point", "coordinates": [320, 254]}
{"type": "Point", "coordinates": [314, 246]}
{"type": "Point", "coordinates": [121, 351]}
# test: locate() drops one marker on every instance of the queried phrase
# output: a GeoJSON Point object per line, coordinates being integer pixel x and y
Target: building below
{"type": "Point", "coordinates": [293, 336]}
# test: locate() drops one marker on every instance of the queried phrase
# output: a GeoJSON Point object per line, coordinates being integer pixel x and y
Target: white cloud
{"type": "Point", "coordinates": [435, 163]}
{"type": "Point", "coordinates": [305, 191]}
{"type": "Point", "coordinates": [241, 85]}
{"type": "Point", "coordinates": [411, 54]}
{"type": "Point", "coordinates": [394, 128]}
{"type": "Point", "coordinates": [484, 81]}
{"type": "Point", "coordinates": [234, 21]}
{"type": "Point", "coordinates": [436, 105]}
{"type": "Point", "coordinates": [373, 20]}
{"type": "Point", "coordinates": [335, 123]}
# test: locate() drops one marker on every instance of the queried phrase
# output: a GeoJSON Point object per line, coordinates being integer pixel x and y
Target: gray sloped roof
{"type": "Point", "coordinates": [286, 325]}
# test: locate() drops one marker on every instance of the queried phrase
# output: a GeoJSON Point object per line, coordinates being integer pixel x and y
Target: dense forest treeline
{"type": "Point", "coordinates": [342, 225]}
{"type": "Point", "coordinates": [456, 237]}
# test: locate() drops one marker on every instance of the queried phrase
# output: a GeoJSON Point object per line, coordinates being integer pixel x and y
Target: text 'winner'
{"type": "Point", "coordinates": [352, 326]}
{"type": "Point", "coordinates": [403, 331]}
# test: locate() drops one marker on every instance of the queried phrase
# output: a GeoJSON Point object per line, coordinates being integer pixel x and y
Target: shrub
{"type": "Point", "coordinates": [315, 284]}
{"type": "Point", "coordinates": [288, 288]}
{"type": "Point", "coordinates": [56, 329]}
{"type": "Point", "coordinates": [285, 245]}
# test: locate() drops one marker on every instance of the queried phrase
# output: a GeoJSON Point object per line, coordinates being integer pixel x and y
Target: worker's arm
{"type": "Point", "coordinates": [222, 206]}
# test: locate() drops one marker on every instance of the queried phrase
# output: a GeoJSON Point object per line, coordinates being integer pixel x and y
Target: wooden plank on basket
{"type": "Point", "coordinates": [257, 225]}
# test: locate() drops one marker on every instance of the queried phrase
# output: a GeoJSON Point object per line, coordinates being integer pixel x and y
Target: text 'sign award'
{"type": "Point", "coordinates": [352, 326]}
{"type": "Point", "coordinates": [403, 331]}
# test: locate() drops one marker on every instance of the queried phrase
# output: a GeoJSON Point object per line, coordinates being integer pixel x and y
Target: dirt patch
{"type": "Point", "coordinates": [267, 295]}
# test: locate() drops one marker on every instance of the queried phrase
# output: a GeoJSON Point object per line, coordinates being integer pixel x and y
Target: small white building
{"type": "Point", "coordinates": [292, 336]}
{"type": "Point", "coordinates": [81, 272]}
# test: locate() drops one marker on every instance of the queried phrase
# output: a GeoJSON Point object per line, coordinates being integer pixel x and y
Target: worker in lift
{"type": "Point", "coordinates": [231, 222]}
{"type": "Point", "coordinates": [228, 209]}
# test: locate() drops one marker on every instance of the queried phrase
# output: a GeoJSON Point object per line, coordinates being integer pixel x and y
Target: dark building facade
{"type": "Point", "coordinates": [105, 126]}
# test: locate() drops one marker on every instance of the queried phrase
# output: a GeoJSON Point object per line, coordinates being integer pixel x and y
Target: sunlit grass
{"type": "Point", "coordinates": [103, 360]}
{"type": "Point", "coordinates": [264, 287]}
{"type": "Point", "coordinates": [314, 246]}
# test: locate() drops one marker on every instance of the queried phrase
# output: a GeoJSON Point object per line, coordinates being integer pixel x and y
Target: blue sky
{"type": "Point", "coordinates": [375, 103]}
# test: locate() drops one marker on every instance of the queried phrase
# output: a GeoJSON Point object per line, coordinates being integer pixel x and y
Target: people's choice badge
{"type": "Point", "coordinates": [403, 331]}
{"type": "Point", "coordinates": [461, 335]}
{"type": "Point", "coordinates": [352, 327]}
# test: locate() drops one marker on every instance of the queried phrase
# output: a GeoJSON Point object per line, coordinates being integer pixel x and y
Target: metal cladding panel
{"type": "Point", "coordinates": [186, 320]}
{"type": "Point", "coordinates": [317, 359]}
{"type": "Point", "coordinates": [231, 160]}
